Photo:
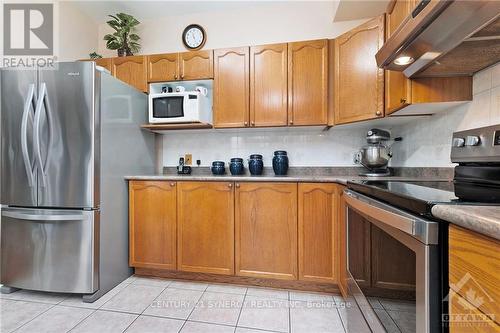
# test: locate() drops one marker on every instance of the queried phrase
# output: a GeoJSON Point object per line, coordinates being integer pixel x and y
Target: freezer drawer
{"type": "Point", "coordinates": [50, 250]}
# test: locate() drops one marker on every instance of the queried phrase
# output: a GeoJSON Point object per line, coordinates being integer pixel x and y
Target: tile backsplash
{"type": "Point", "coordinates": [305, 146]}
{"type": "Point", "coordinates": [426, 141]}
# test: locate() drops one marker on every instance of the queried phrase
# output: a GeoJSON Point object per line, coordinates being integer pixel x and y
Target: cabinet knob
{"type": "Point", "coordinates": [403, 100]}
{"type": "Point", "coordinates": [172, 184]}
{"type": "Point", "coordinates": [291, 122]}
{"type": "Point", "coordinates": [253, 123]}
{"type": "Point", "coordinates": [246, 123]}
{"type": "Point", "coordinates": [175, 76]}
{"type": "Point", "coordinates": [378, 113]}
{"type": "Point", "coordinates": [237, 185]}
{"type": "Point", "coordinates": [182, 76]}
{"type": "Point", "coordinates": [229, 185]}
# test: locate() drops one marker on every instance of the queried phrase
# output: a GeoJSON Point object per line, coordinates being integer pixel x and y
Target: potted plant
{"type": "Point", "coordinates": [124, 39]}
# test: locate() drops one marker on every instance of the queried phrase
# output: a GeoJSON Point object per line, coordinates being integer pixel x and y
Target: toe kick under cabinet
{"type": "Point", "coordinates": [251, 231]}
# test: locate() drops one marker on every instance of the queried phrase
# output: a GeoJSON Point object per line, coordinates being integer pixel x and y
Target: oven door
{"type": "Point", "coordinates": [393, 266]}
{"type": "Point", "coordinates": [167, 108]}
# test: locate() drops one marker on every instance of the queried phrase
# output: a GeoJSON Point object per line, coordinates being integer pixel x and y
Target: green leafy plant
{"type": "Point", "coordinates": [95, 55]}
{"type": "Point", "coordinates": [123, 39]}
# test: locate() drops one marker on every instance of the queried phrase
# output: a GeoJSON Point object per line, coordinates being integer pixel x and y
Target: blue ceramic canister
{"type": "Point", "coordinates": [280, 163]}
{"type": "Point", "coordinates": [236, 166]}
{"type": "Point", "coordinates": [255, 164]}
{"type": "Point", "coordinates": [218, 168]}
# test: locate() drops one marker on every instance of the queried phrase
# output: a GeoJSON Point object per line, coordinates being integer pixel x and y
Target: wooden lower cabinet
{"type": "Point", "coordinates": [342, 242]}
{"type": "Point", "coordinates": [466, 318]}
{"type": "Point", "coordinates": [266, 230]}
{"type": "Point", "coordinates": [317, 231]}
{"type": "Point", "coordinates": [474, 270]}
{"type": "Point", "coordinates": [205, 237]}
{"type": "Point", "coordinates": [152, 214]}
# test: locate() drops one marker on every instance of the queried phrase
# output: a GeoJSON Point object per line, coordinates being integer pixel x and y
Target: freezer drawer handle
{"type": "Point", "coordinates": [42, 102]}
{"type": "Point", "coordinates": [28, 103]}
{"type": "Point", "coordinates": [41, 217]}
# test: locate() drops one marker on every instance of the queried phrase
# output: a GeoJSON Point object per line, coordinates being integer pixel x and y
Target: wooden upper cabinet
{"type": "Point", "coordinates": [308, 82]}
{"type": "Point", "coordinates": [266, 230]}
{"type": "Point", "coordinates": [317, 232]}
{"type": "Point", "coordinates": [196, 65]}
{"type": "Point", "coordinates": [132, 70]}
{"type": "Point", "coordinates": [104, 62]}
{"type": "Point", "coordinates": [268, 85]}
{"type": "Point", "coordinates": [397, 86]}
{"type": "Point", "coordinates": [163, 67]}
{"type": "Point", "coordinates": [358, 82]}
{"type": "Point", "coordinates": [231, 87]}
{"type": "Point", "coordinates": [152, 214]}
{"type": "Point", "coordinates": [205, 238]}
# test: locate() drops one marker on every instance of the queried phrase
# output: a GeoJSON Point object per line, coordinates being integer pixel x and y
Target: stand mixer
{"type": "Point", "coordinates": [376, 154]}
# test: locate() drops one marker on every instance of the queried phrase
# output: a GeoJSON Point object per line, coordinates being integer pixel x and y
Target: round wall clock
{"type": "Point", "coordinates": [194, 37]}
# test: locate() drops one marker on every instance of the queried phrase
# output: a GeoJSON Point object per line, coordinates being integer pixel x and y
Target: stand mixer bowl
{"type": "Point", "coordinates": [375, 156]}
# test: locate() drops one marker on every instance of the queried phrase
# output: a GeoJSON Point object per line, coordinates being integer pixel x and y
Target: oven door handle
{"type": "Point", "coordinates": [423, 230]}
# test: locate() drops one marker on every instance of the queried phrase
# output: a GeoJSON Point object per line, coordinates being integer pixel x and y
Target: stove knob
{"type": "Point", "coordinates": [458, 142]}
{"type": "Point", "coordinates": [472, 140]}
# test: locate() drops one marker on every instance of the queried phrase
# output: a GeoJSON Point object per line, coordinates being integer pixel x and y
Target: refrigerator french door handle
{"type": "Point", "coordinates": [28, 103]}
{"type": "Point", "coordinates": [42, 103]}
{"type": "Point", "coordinates": [42, 217]}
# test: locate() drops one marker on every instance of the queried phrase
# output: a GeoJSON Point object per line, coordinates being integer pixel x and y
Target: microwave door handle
{"type": "Point", "coordinates": [28, 104]}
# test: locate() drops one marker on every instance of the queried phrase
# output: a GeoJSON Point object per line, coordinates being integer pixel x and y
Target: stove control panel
{"type": "Point", "coordinates": [480, 145]}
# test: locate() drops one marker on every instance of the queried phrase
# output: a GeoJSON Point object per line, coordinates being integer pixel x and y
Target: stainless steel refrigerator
{"type": "Point", "coordinates": [69, 136]}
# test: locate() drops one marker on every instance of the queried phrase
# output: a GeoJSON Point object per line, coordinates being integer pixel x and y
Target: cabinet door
{"type": "Point", "coordinates": [317, 232]}
{"type": "Point", "coordinates": [231, 87]}
{"type": "Point", "coordinates": [268, 85]}
{"type": "Point", "coordinates": [152, 214]}
{"type": "Point", "coordinates": [308, 82]}
{"type": "Point", "coordinates": [397, 86]}
{"type": "Point", "coordinates": [359, 249]}
{"type": "Point", "coordinates": [393, 264]}
{"type": "Point", "coordinates": [266, 230]}
{"type": "Point", "coordinates": [104, 62]}
{"type": "Point", "coordinates": [195, 65]}
{"type": "Point", "coordinates": [163, 67]}
{"type": "Point", "coordinates": [205, 238]}
{"type": "Point", "coordinates": [132, 70]}
{"type": "Point", "coordinates": [358, 82]}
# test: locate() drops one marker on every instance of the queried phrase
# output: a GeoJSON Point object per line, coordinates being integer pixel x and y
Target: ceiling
{"type": "Point", "coordinates": [355, 9]}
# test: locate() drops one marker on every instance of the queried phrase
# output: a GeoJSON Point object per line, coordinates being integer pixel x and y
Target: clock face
{"type": "Point", "coordinates": [194, 37]}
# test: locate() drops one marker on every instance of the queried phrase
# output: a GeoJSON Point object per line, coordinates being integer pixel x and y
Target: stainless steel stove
{"type": "Point", "coordinates": [397, 251]}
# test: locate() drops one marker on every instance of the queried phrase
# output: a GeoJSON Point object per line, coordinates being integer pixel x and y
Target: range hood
{"type": "Point", "coordinates": [444, 38]}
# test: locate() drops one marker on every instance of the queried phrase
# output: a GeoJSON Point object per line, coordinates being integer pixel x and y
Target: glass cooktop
{"type": "Point", "coordinates": [419, 197]}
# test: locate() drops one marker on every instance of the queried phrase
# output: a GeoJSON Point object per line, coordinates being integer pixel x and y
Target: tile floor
{"type": "Point", "coordinates": [142, 304]}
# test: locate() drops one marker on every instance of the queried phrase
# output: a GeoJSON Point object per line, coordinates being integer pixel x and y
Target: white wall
{"type": "Point", "coordinates": [262, 23]}
{"type": "Point", "coordinates": [77, 33]}
{"type": "Point", "coordinates": [428, 142]}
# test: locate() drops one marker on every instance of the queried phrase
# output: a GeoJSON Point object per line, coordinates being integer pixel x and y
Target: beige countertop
{"type": "Point", "coordinates": [271, 178]}
{"type": "Point", "coordinates": [482, 219]}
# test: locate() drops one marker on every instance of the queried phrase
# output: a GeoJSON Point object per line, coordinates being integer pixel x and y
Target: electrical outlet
{"type": "Point", "coordinates": [188, 159]}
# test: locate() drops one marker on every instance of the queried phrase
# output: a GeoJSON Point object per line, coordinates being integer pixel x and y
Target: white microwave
{"type": "Point", "coordinates": [179, 107]}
